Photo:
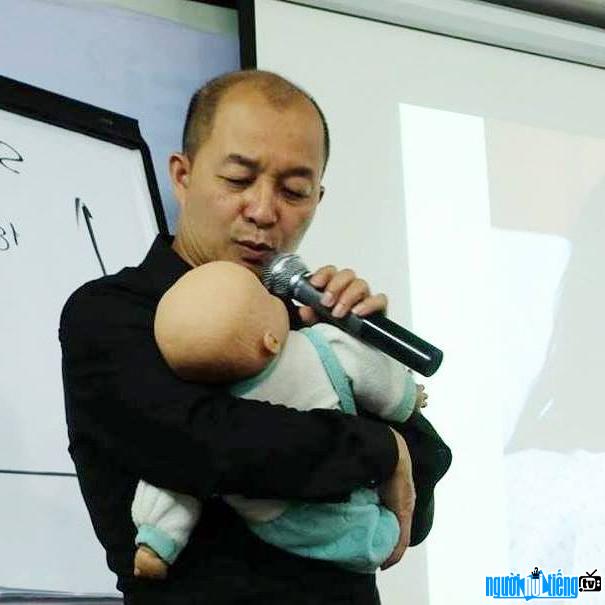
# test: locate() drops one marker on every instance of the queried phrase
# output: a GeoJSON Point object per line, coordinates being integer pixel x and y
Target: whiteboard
{"type": "Point", "coordinates": [73, 206]}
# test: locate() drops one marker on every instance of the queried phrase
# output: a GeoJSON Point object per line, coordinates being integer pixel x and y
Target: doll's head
{"type": "Point", "coordinates": [218, 323]}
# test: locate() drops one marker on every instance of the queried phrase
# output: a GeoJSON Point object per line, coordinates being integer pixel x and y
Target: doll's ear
{"type": "Point", "coordinates": [271, 343]}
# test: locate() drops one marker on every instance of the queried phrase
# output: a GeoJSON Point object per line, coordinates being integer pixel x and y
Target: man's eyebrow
{"type": "Point", "coordinates": [298, 171]}
{"type": "Point", "coordinates": [241, 160]}
{"type": "Point", "coordinates": [236, 158]}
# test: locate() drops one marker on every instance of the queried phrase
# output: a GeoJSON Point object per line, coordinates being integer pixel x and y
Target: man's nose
{"type": "Point", "coordinates": [260, 205]}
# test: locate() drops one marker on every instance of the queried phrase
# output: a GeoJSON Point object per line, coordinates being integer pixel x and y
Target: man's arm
{"type": "Point", "coordinates": [123, 398]}
{"type": "Point", "coordinates": [430, 457]}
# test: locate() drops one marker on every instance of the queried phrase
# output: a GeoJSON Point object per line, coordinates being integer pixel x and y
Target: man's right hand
{"type": "Point", "coordinates": [398, 494]}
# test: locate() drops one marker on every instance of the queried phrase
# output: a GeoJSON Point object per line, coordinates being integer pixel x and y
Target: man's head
{"type": "Point", "coordinates": [248, 180]}
{"type": "Point", "coordinates": [204, 103]}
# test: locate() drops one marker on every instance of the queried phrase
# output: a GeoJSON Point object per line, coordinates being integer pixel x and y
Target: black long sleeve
{"type": "Point", "coordinates": [124, 399]}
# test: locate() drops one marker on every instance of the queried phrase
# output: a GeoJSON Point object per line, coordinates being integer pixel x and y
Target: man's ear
{"type": "Point", "coordinates": [322, 190]}
{"type": "Point", "coordinates": [179, 167]}
{"type": "Point", "coordinates": [271, 343]}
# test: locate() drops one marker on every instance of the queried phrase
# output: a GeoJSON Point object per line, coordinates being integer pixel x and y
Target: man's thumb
{"type": "Point", "coordinates": [308, 316]}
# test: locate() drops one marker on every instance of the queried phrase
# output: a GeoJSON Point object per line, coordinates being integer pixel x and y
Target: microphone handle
{"type": "Point", "coordinates": [400, 344]}
{"type": "Point", "coordinates": [375, 329]}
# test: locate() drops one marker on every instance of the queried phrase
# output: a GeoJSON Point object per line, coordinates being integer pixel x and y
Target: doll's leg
{"type": "Point", "coordinates": [359, 535]}
{"type": "Point", "coordinates": [147, 564]}
{"type": "Point", "coordinates": [165, 520]}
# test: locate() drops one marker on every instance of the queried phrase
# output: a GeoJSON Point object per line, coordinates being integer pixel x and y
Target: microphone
{"type": "Point", "coordinates": [287, 276]}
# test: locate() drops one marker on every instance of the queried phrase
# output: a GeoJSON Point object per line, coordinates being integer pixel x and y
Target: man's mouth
{"type": "Point", "coordinates": [255, 245]}
{"type": "Point", "coordinates": [255, 252]}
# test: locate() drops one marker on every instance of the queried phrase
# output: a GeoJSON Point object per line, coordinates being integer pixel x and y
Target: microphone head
{"type": "Point", "coordinates": [278, 273]}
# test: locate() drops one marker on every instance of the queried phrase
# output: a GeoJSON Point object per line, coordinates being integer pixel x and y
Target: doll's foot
{"type": "Point", "coordinates": [148, 565]}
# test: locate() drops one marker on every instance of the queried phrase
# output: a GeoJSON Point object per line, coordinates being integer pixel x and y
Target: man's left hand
{"type": "Point", "coordinates": [343, 291]}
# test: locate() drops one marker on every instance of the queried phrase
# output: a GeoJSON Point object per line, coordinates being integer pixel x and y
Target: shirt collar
{"type": "Point", "coordinates": [163, 265]}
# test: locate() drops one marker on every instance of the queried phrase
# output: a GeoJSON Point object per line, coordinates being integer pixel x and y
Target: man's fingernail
{"type": "Point", "coordinates": [357, 308]}
{"type": "Point", "coordinates": [327, 299]}
{"type": "Point", "coordinates": [339, 310]}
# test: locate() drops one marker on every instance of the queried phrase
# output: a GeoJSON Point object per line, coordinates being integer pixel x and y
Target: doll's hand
{"type": "Point", "coordinates": [421, 397]}
{"type": "Point", "coordinates": [147, 564]}
{"type": "Point", "coordinates": [343, 292]}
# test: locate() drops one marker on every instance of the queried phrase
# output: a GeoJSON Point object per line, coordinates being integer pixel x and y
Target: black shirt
{"type": "Point", "coordinates": [130, 417]}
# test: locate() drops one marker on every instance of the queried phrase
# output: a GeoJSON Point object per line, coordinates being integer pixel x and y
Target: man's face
{"type": "Point", "coordinates": [253, 186]}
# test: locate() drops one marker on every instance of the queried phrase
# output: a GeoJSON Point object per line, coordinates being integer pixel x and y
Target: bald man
{"type": "Point", "coordinates": [248, 182]}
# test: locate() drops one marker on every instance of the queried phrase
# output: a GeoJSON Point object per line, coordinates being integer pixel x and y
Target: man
{"type": "Point", "coordinates": [248, 185]}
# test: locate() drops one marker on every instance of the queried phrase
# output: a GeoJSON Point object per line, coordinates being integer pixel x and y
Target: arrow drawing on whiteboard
{"type": "Point", "coordinates": [87, 216]}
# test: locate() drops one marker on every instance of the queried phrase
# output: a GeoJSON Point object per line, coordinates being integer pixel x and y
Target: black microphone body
{"type": "Point", "coordinates": [286, 275]}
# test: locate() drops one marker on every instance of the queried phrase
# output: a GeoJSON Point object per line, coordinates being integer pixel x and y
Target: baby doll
{"type": "Point", "coordinates": [247, 343]}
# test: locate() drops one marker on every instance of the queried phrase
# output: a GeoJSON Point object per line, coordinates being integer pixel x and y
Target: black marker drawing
{"type": "Point", "coordinates": [4, 241]}
{"type": "Point", "coordinates": [4, 158]}
{"type": "Point", "coordinates": [87, 216]}
{"type": "Point", "coordinates": [15, 234]}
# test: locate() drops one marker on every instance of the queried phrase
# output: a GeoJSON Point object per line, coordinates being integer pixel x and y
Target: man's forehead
{"type": "Point", "coordinates": [247, 120]}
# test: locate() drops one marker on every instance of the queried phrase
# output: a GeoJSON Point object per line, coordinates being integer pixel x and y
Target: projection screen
{"type": "Point", "coordinates": [467, 182]}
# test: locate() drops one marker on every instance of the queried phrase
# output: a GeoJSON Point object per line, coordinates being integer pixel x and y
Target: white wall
{"type": "Point", "coordinates": [467, 182]}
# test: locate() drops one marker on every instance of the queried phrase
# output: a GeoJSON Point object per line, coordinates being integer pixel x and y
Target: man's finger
{"type": "Point", "coordinates": [372, 304]}
{"type": "Point", "coordinates": [396, 555]}
{"type": "Point", "coordinates": [405, 533]}
{"type": "Point", "coordinates": [308, 315]}
{"type": "Point", "coordinates": [322, 276]}
{"type": "Point", "coordinates": [355, 292]}
{"type": "Point", "coordinates": [336, 285]}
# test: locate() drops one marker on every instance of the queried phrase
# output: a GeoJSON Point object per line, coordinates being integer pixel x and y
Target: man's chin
{"type": "Point", "coordinates": [255, 266]}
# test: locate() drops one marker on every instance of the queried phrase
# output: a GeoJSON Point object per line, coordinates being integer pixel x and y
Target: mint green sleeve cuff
{"type": "Point", "coordinates": [408, 402]}
{"type": "Point", "coordinates": [160, 542]}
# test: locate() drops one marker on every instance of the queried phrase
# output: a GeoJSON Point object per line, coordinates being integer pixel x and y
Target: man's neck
{"type": "Point", "coordinates": [178, 247]}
